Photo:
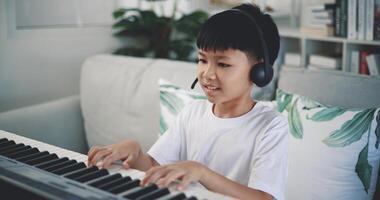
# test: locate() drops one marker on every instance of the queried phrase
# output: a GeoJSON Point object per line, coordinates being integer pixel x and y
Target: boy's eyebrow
{"type": "Point", "coordinates": [218, 57]}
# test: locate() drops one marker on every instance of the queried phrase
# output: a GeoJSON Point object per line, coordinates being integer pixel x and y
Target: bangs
{"type": "Point", "coordinates": [221, 32]}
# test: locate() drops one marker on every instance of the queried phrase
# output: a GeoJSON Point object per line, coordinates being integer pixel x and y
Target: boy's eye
{"type": "Point", "coordinates": [223, 65]}
{"type": "Point", "coordinates": [200, 60]}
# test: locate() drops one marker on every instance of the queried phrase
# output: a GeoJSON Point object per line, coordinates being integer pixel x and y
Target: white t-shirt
{"type": "Point", "coordinates": [250, 149]}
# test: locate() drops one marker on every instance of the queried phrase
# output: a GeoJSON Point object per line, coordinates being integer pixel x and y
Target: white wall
{"type": "Point", "coordinates": [39, 65]}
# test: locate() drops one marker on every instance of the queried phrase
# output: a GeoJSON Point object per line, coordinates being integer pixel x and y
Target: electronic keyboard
{"type": "Point", "coordinates": [30, 169]}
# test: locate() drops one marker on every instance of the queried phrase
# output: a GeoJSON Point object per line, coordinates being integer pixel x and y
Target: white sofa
{"type": "Point", "coordinates": [119, 98]}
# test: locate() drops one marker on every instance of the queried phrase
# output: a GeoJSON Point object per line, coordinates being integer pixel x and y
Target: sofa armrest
{"type": "Point", "coordinates": [57, 122]}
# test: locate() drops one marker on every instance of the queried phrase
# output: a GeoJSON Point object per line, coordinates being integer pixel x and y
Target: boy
{"type": "Point", "coordinates": [230, 143]}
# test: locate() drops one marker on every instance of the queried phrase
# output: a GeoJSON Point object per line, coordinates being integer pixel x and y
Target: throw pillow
{"type": "Point", "coordinates": [172, 100]}
{"type": "Point", "coordinates": [333, 152]}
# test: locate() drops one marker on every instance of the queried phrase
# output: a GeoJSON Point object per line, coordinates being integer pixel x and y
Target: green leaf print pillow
{"type": "Point", "coordinates": [333, 152]}
{"type": "Point", "coordinates": [172, 100]}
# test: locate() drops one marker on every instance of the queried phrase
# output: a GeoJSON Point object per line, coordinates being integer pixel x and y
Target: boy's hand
{"type": "Point", "coordinates": [186, 172]}
{"type": "Point", "coordinates": [103, 157]}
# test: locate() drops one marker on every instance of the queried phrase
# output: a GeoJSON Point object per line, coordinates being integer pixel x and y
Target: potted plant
{"type": "Point", "coordinates": [158, 36]}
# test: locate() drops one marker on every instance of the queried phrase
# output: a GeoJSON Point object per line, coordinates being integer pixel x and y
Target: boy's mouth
{"type": "Point", "coordinates": [211, 88]}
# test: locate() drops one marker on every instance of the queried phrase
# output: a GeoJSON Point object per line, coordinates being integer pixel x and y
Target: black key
{"type": "Point", "coordinates": [18, 150]}
{"type": "Point", "coordinates": [60, 165]}
{"type": "Point", "coordinates": [32, 156]}
{"type": "Point", "coordinates": [92, 176]}
{"type": "Point", "coordinates": [81, 172]}
{"type": "Point", "coordinates": [23, 153]}
{"type": "Point", "coordinates": [124, 187]}
{"type": "Point", "coordinates": [114, 183]}
{"type": "Point", "coordinates": [192, 198]}
{"type": "Point", "coordinates": [10, 148]}
{"type": "Point", "coordinates": [69, 168]}
{"type": "Point", "coordinates": [51, 163]}
{"type": "Point", "coordinates": [7, 143]}
{"type": "Point", "coordinates": [42, 159]}
{"type": "Point", "coordinates": [180, 196]}
{"type": "Point", "coordinates": [155, 194]}
{"type": "Point", "coordinates": [133, 194]}
{"type": "Point", "coordinates": [3, 140]}
{"type": "Point", "coordinates": [103, 180]}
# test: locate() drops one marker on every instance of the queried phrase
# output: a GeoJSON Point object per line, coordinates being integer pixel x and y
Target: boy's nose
{"type": "Point", "coordinates": [210, 72]}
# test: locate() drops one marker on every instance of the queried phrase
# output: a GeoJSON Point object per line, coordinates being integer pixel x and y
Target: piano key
{"type": "Point", "coordinates": [51, 163]}
{"type": "Point", "coordinates": [9, 153]}
{"type": "Point", "coordinates": [3, 140]}
{"type": "Point", "coordinates": [25, 152]}
{"type": "Point", "coordinates": [7, 143]}
{"type": "Point", "coordinates": [135, 193]}
{"type": "Point", "coordinates": [125, 186]}
{"type": "Point", "coordinates": [192, 198]}
{"type": "Point", "coordinates": [92, 176]}
{"type": "Point", "coordinates": [42, 159]}
{"type": "Point", "coordinates": [60, 165]}
{"type": "Point", "coordinates": [155, 194]}
{"type": "Point", "coordinates": [179, 196]}
{"type": "Point", "coordinates": [7, 146]}
{"type": "Point", "coordinates": [10, 148]}
{"type": "Point", "coordinates": [80, 172]}
{"type": "Point", "coordinates": [114, 183]}
{"type": "Point", "coordinates": [69, 168]}
{"type": "Point", "coordinates": [32, 156]}
{"type": "Point", "coordinates": [103, 180]}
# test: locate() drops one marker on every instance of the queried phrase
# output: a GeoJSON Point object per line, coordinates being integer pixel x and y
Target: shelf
{"type": "Point", "coordinates": [295, 33]}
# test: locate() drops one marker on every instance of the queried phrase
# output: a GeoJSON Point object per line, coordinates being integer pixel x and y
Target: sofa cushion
{"type": "Point", "coordinates": [120, 96]}
{"type": "Point", "coordinates": [333, 151]}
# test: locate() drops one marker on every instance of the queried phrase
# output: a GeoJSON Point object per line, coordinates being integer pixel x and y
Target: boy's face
{"type": "Point", "coordinates": [224, 75]}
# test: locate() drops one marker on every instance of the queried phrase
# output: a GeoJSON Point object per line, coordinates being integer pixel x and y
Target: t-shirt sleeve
{"type": "Point", "coordinates": [170, 147]}
{"type": "Point", "coordinates": [270, 160]}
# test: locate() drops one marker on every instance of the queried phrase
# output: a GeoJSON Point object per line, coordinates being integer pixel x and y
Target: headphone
{"type": "Point", "coordinates": [261, 73]}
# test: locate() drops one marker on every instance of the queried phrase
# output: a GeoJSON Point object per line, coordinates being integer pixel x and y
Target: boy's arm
{"type": "Point", "coordinates": [218, 183]}
{"type": "Point", "coordinates": [144, 162]}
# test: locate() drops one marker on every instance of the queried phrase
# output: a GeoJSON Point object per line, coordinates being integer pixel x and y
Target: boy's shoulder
{"type": "Point", "coordinates": [270, 113]}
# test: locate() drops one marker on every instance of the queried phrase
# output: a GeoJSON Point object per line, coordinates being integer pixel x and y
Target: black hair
{"type": "Point", "coordinates": [227, 30]}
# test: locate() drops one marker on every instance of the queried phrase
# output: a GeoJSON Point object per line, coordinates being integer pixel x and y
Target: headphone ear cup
{"type": "Point", "coordinates": [258, 75]}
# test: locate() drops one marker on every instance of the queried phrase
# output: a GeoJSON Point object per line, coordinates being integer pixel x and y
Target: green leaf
{"type": "Point", "coordinates": [309, 103]}
{"type": "Point", "coordinates": [351, 130]}
{"type": "Point", "coordinates": [295, 124]}
{"type": "Point", "coordinates": [377, 130]}
{"type": "Point", "coordinates": [172, 102]}
{"type": "Point", "coordinates": [198, 96]}
{"type": "Point", "coordinates": [327, 114]}
{"type": "Point", "coordinates": [163, 125]}
{"type": "Point", "coordinates": [364, 169]}
{"type": "Point", "coordinates": [283, 99]}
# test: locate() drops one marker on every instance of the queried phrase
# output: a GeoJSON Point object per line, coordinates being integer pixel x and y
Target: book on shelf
{"type": "Point", "coordinates": [320, 20]}
{"type": "Point", "coordinates": [318, 31]}
{"type": "Point", "coordinates": [352, 19]}
{"type": "Point", "coordinates": [327, 62]}
{"type": "Point", "coordinates": [363, 66]}
{"type": "Point", "coordinates": [362, 20]}
{"type": "Point", "coordinates": [369, 19]}
{"type": "Point", "coordinates": [354, 62]}
{"type": "Point", "coordinates": [292, 59]}
{"type": "Point", "coordinates": [377, 20]}
{"type": "Point", "coordinates": [373, 62]}
{"type": "Point", "coordinates": [322, 7]}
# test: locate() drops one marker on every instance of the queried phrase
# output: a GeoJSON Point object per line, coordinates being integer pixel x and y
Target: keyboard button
{"type": "Point", "coordinates": [92, 176]}
{"type": "Point", "coordinates": [124, 187]}
{"type": "Point", "coordinates": [32, 156]}
{"type": "Point", "coordinates": [18, 150]}
{"type": "Point", "coordinates": [155, 194]}
{"type": "Point", "coordinates": [69, 168]}
{"type": "Point", "coordinates": [103, 180]}
{"type": "Point", "coordinates": [80, 172]}
{"type": "Point", "coordinates": [11, 148]}
{"type": "Point", "coordinates": [192, 198]}
{"type": "Point", "coordinates": [133, 194]}
{"type": "Point", "coordinates": [7, 143]}
{"type": "Point", "coordinates": [60, 165]}
{"type": "Point", "coordinates": [42, 159]}
{"type": "Point", "coordinates": [51, 163]}
{"type": "Point", "coordinates": [23, 153]}
{"type": "Point", "coordinates": [114, 183]}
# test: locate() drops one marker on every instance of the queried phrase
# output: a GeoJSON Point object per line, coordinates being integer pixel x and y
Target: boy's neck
{"type": "Point", "coordinates": [233, 109]}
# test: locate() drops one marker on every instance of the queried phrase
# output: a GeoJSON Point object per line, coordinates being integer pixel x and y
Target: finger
{"type": "Point", "coordinates": [185, 182]}
{"type": "Point", "coordinates": [172, 176]}
{"type": "Point", "coordinates": [100, 155]}
{"type": "Point", "coordinates": [153, 177]}
{"type": "Point", "coordinates": [128, 162]}
{"type": "Point", "coordinates": [108, 160]}
{"type": "Point", "coordinates": [92, 152]}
